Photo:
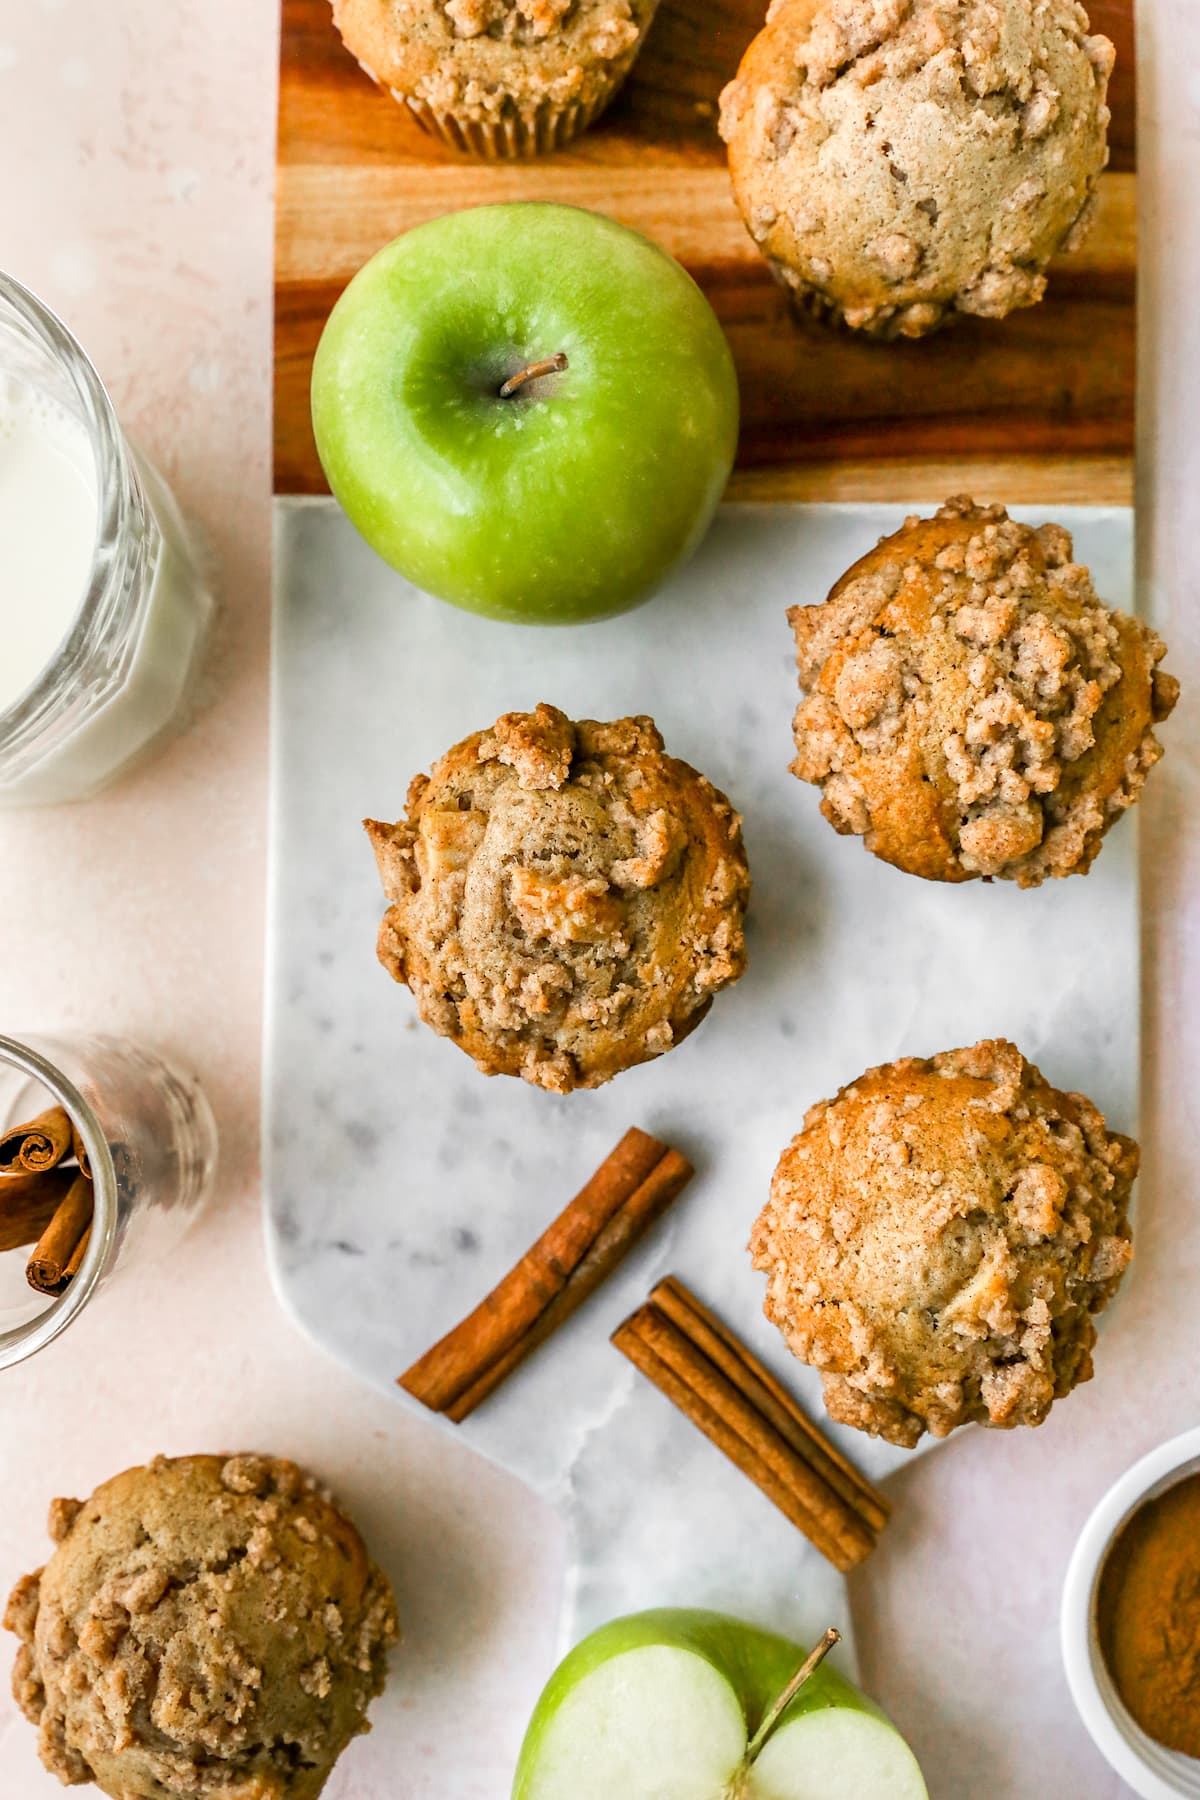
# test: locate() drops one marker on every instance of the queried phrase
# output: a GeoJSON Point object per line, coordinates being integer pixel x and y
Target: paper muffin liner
{"type": "Point", "coordinates": [518, 131]}
{"type": "Point", "coordinates": [512, 136]}
{"type": "Point", "coordinates": [536, 130]}
{"type": "Point", "coordinates": [809, 304]}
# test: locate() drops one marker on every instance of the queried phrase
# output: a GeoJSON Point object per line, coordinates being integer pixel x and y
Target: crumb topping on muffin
{"type": "Point", "coordinates": [485, 59]}
{"type": "Point", "coordinates": [207, 1626]}
{"type": "Point", "coordinates": [902, 160]}
{"type": "Point", "coordinates": [971, 707]}
{"type": "Point", "coordinates": [566, 898]}
{"type": "Point", "coordinates": [514, 19]}
{"type": "Point", "coordinates": [938, 1238]}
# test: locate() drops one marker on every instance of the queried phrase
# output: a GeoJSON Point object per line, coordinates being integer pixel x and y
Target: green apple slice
{"type": "Point", "coordinates": [680, 1705]}
{"type": "Point", "coordinates": [836, 1754]}
{"type": "Point", "coordinates": [658, 1723]}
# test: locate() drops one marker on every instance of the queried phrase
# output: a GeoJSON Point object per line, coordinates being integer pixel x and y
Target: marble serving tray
{"type": "Point", "coordinates": [401, 1183]}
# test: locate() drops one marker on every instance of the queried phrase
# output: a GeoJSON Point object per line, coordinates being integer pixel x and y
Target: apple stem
{"type": "Point", "coordinates": [549, 365]}
{"type": "Point", "coordinates": [775, 1712]}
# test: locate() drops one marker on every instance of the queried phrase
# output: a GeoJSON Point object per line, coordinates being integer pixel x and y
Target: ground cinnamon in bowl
{"type": "Point", "coordinates": [1148, 1616]}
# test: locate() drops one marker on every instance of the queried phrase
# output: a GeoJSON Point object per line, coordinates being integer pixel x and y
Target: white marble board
{"type": "Point", "coordinates": [401, 1183]}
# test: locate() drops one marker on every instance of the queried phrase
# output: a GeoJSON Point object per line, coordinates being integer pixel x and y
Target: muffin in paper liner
{"type": "Point", "coordinates": [970, 707]}
{"type": "Point", "coordinates": [939, 1238]}
{"type": "Point", "coordinates": [902, 162]}
{"type": "Point", "coordinates": [206, 1626]}
{"type": "Point", "coordinates": [506, 139]}
{"type": "Point", "coordinates": [565, 900]}
{"type": "Point", "coordinates": [498, 79]}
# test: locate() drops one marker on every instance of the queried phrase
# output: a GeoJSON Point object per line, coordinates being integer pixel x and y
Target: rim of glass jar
{"type": "Point", "coordinates": [120, 518]}
{"type": "Point", "coordinates": [24, 1340]}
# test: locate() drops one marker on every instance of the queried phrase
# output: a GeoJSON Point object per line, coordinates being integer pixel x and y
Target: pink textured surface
{"type": "Point", "coordinates": [136, 144]}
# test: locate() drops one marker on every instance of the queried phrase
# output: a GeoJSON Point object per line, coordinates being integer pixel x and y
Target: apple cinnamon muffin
{"type": "Point", "coordinates": [938, 1239]}
{"type": "Point", "coordinates": [565, 898]}
{"type": "Point", "coordinates": [207, 1627]}
{"type": "Point", "coordinates": [500, 78]}
{"type": "Point", "coordinates": [900, 161]}
{"type": "Point", "coordinates": [971, 707]}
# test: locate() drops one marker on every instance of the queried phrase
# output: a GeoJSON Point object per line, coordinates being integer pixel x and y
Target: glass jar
{"type": "Point", "coordinates": [151, 1145]}
{"type": "Point", "coordinates": [126, 617]}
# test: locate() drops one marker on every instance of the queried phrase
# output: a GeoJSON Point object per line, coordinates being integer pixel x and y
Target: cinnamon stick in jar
{"type": "Point", "coordinates": [41, 1144]}
{"type": "Point", "coordinates": [77, 1256]}
{"type": "Point", "coordinates": [28, 1203]}
{"type": "Point", "coordinates": [80, 1149]}
{"type": "Point", "coordinates": [630, 1190]}
{"type": "Point", "coordinates": [54, 1259]}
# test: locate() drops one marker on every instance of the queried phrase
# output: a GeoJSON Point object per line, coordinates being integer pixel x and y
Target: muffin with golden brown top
{"type": "Point", "coordinates": [208, 1628]}
{"type": "Point", "coordinates": [566, 899]}
{"type": "Point", "coordinates": [901, 161]}
{"type": "Point", "coordinates": [971, 707]}
{"type": "Point", "coordinates": [938, 1238]}
{"type": "Point", "coordinates": [500, 78]}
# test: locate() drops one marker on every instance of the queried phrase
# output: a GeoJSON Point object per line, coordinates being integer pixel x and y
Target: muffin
{"type": "Point", "coordinates": [938, 1238]}
{"type": "Point", "coordinates": [501, 78]}
{"type": "Point", "coordinates": [207, 1628]}
{"type": "Point", "coordinates": [971, 708]}
{"type": "Point", "coordinates": [565, 899]}
{"type": "Point", "coordinates": [900, 161]}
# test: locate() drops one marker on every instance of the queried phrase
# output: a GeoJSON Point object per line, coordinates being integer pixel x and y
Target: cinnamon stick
{"type": "Point", "coordinates": [28, 1203]}
{"type": "Point", "coordinates": [647, 1202]}
{"type": "Point", "coordinates": [769, 1397]}
{"type": "Point", "coordinates": [80, 1149]}
{"type": "Point", "coordinates": [41, 1144]}
{"type": "Point", "coordinates": [629, 1191]}
{"type": "Point", "coordinates": [52, 1258]}
{"type": "Point", "coordinates": [727, 1393]}
{"type": "Point", "coordinates": [77, 1256]}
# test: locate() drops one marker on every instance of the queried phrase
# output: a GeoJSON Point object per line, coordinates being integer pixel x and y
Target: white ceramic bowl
{"type": "Point", "coordinates": [1151, 1771]}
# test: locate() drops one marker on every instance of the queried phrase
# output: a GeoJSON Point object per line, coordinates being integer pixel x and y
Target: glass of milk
{"type": "Point", "coordinates": [151, 1146]}
{"type": "Point", "coordinates": [103, 611]}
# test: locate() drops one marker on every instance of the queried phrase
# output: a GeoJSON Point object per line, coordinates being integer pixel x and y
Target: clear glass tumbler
{"type": "Point", "coordinates": [151, 1144]}
{"type": "Point", "coordinates": [131, 642]}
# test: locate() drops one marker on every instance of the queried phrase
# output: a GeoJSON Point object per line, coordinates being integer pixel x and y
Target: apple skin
{"type": "Point", "coordinates": [757, 1665]}
{"type": "Point", "coordinates": [574, 500]}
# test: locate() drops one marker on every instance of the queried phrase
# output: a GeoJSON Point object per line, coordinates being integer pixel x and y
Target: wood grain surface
{"type": "Point", "coordinates": [1037, 408]}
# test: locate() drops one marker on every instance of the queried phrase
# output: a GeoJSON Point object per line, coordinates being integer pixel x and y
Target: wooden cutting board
{"type": "Point", "coordinates": [1037, 409]}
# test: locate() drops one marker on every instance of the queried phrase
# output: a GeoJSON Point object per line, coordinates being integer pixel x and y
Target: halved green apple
{"type": "Point", "coordinates": [682, 1705]}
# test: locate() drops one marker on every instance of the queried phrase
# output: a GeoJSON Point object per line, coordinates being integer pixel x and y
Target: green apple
{"type": "Point", "coordinates": [681, 1705]}
{"type": "Point", "coordinates": [528, 410]}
